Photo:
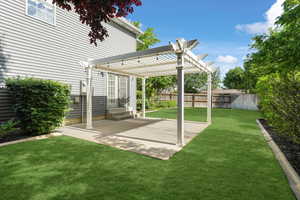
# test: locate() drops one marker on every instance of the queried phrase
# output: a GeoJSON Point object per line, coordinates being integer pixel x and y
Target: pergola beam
{"type": "Point", "coordinates": [168, 70]}
{"type": "Point", "coordinates": [148, 66]}
{"type": "Point", "coordinates": [134, 55]}
{"type": "Point", "coordinates": [171, 73]}
{"type": "Point", "coordinates": [195, 61]}
{"type": "Point", "coordinates": [117, 71]}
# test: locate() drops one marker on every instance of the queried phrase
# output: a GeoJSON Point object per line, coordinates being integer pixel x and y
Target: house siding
{"type": "Point", "coordinates": [32, 48]}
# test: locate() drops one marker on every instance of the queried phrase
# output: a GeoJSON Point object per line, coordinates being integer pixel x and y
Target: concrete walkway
{"type": "Point", "coordinates": [151, 137]}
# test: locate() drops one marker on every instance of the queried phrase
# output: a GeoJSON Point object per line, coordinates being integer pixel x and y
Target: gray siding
{"type": "Point", "coordinates": [32, 48]}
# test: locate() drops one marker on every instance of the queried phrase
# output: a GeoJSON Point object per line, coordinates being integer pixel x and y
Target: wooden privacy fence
{"type": "Point", "coordinates": [199, 100]}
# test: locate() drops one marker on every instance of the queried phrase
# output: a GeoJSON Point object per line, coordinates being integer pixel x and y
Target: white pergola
{"type": "Point", "coordinates": [173, 59]}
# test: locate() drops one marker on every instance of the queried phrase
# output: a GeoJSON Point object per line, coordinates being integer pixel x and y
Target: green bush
{"type": "Point", "coordinates": [280, 103]}
{"type": "Point", "coordinates": [40, 105]}
{"type": "Point", "coordinates": [7, 127]}
{"type": "Point", "coordinates": [166, 104]}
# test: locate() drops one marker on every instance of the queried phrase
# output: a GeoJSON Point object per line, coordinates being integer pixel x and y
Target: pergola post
{"type": "Point", "coordinates": [180, 99]}
{"type": "Point", "coordinates": [209, 96]}
{"type": "Point", "coordinates": [89, 123]}
{"type": "Point", "coordinates": [144, 98]}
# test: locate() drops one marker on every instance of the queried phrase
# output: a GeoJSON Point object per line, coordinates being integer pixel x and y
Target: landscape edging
{"type": "Point", "coordinates": [39, 137]}
{"type": "Point", "coordinates": [291, 174]}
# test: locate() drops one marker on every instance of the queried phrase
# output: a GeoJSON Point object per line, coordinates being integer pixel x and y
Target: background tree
{"type": "Point", "coordinates": [148, 38]}
{"type": "Point", "coordinates": [235, 79]}
{"type": "Point", "coordinates": [194, 83]}
{"type": "Point", "coordinates": [94, 12]}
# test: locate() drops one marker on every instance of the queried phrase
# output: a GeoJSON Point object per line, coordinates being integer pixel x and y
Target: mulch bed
{"type": "Point", "coordinates": [17, 135]}
{"type": "Point", "coordinates": [290, 149]}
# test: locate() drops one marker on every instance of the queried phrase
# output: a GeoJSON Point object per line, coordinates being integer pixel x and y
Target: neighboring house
{"type": "Point", "coordinates": [37, 39]}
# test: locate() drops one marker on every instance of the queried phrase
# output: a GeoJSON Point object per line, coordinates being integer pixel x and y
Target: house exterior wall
{"type": "Point", "coordinates": [32, 48]}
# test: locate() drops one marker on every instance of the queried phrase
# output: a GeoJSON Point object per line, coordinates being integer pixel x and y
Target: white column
{"type": "Point", "coordinates": [180, 99]}
{"type": "Point", "coordinates": [144, 97]}
{"type": "Point", "coordinates": [89, 123]}
{"type": "Point", "coordinates": [209, 96]}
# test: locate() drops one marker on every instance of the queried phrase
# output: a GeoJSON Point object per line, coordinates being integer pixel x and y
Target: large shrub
{"type": "Point", "coordinates": [40, 105]}
{"type": "Point", "coordinates": [280, 103]}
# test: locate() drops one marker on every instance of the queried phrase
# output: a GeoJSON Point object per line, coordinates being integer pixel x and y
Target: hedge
{"type": "Point", "coordinates": [40, 105]}
{"type": "Point", "coordinates": [280, 103]}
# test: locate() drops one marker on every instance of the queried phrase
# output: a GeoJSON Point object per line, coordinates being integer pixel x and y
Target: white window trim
{"type": "Point", "coordinates": [26, 12]}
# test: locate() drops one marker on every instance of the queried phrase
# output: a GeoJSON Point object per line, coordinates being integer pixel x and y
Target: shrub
{"type": "Point", "coordinates": [280, 103]}
{"type": "Point", "coordinates": [7, 127]}
{"type": "Point", "coordinates": [40, 105]}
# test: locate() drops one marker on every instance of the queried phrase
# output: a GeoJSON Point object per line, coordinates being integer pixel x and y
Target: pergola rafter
{"type": "Point", "coordinates": [173, 59]}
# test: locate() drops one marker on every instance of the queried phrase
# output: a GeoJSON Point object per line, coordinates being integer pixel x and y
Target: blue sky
{"type": "Point", "coordinates": [224, 28]}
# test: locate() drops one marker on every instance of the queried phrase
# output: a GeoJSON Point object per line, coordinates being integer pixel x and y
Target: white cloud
{"type": "Point", "coordinates": [270, 18]}
{"type": "Point", "coordinates": [227, 59]}
{"type": "Point", "coordinates": [225, 50]}
{"type": "Point", "coordinates": [255, 28]}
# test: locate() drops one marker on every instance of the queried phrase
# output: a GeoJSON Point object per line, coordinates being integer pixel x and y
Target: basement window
{"type": "Point", "coordinates": [42, 10]}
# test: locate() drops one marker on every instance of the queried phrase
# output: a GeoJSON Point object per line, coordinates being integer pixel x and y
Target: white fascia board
{"type": "Point", "coordinates": [126, 24]}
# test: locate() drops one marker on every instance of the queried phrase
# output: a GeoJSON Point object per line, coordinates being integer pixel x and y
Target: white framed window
{"type": "Point", "coordinates": [42, 10]}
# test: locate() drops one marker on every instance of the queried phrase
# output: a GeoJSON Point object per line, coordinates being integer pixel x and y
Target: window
{"type": "Point", "coordinates": [42, 10]}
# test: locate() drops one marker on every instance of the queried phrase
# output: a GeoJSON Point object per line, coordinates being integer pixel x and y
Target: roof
{"type": "Point", "coordinates": [159, 61]}
{"type": "Point", "coordinates": [127, 25]}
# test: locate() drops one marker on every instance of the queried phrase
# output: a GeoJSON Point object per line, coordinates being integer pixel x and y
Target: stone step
{"type": "Point", "coordinates": [119, 116]}
{"type": "Point", "coordinates": [116, 110]}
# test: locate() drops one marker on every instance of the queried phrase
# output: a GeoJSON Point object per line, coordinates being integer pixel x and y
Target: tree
{"type": "Point", "coordinates": [94, 12]}
{"type": "Point", "coordinates": [273, 72]}
{"type": "Point", "coordinates": [194, 83]}
{"type": "Point", "coordinates": [279, 50]}
{"type": "Point", "coordinates": [148, 38]}
{"type": "Point", "coordinates": [234, 79]}
{"type": "Point", "coordinates": [154, 85]}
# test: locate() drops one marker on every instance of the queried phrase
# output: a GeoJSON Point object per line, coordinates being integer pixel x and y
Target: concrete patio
{"type": "Point", "coordinates": [152, 137]}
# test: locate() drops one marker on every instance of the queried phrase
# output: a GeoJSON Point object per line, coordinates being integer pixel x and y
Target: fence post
{"type": "Point", "coordinates": [193, 101]}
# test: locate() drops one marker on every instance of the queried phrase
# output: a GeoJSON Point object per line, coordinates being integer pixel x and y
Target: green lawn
{"type": "Point", "coordinates": [228, 161]}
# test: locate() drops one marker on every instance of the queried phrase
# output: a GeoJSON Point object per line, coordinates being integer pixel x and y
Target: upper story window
{"type": "Point", "coordinates": [42, 10]}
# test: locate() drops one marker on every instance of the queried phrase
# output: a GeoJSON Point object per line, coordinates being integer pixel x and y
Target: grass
{"type": "Point", "coordinates": [228, 161]}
